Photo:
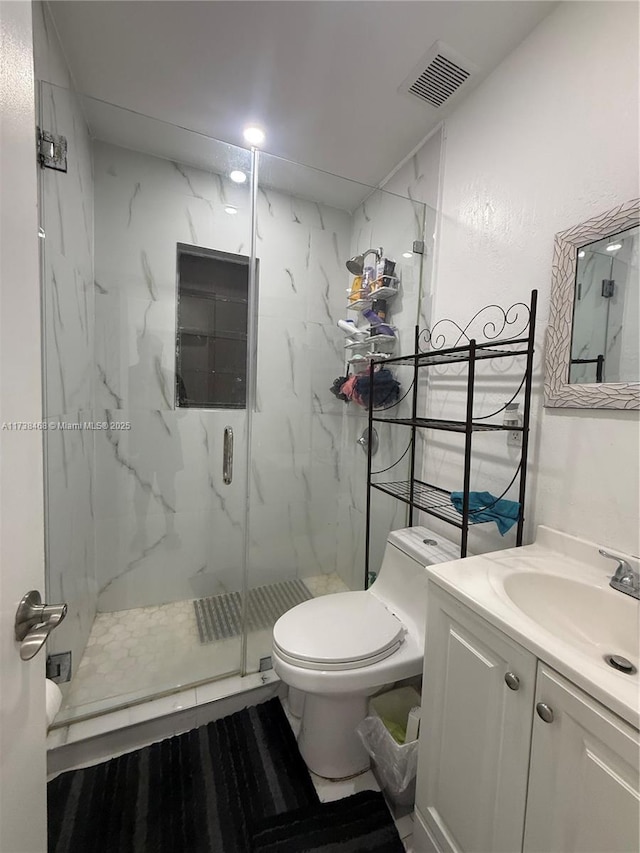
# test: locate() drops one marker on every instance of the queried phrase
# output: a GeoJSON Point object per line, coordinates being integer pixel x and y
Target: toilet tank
{"type": "Point", "coordinates": [401, 583]}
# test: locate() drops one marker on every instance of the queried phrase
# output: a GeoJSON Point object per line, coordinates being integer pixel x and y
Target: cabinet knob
{"type": "Point", "coordinates": [544, 712]}
{"type": "Point", "coordinates": [512, 681]}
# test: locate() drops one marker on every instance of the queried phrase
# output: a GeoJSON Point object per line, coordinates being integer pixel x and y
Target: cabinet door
{"type": "Point", "coordinates": [476, 730]}
{"type": "Point", "coordinates": [583, 783]}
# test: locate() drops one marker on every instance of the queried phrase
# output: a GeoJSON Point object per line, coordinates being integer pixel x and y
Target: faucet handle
{"type": "Point", "coordinates": [623, 568]}
{"type": "Point", "coordinates": [625, 578]}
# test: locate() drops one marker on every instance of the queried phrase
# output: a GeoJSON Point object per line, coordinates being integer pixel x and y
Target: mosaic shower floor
{"type": "Point", "coordinates": [134, 654]}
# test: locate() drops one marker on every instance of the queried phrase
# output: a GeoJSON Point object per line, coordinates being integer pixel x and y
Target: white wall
{"type": "Point", "coordinates": [547, 141]}
{"type": "Point", "coordinates": [23, 809]}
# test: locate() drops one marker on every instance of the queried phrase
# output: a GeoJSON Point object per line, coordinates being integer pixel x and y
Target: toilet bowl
{"type": "Point", "coordinates": [338, 650]}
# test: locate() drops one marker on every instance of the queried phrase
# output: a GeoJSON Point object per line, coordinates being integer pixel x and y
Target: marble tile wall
{"type": "Point", "coordinates": [166, 526]}
{"type": "Point", "coordinates": [66, 217]}
{"type": "Point", "coordinates": [393, 222]}
{"type": "Point", "coordinates": [296, 475]}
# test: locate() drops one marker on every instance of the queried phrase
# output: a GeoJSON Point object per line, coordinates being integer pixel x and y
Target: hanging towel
{"type": "Point", "coordinates": [483, 506]}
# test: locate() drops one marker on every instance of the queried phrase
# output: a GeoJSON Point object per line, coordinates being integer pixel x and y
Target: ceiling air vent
{"type": "Point", "coordinates": [438, 76]}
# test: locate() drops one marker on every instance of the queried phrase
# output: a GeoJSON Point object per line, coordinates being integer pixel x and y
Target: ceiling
{"type": "Point", "coordinates": [321, 77]}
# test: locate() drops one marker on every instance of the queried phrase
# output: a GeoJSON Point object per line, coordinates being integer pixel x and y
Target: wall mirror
{"type": "Point", "coordinates": [593, 338]}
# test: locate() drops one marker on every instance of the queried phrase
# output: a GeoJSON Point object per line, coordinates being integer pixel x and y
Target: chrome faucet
{"type": "Point", "coordinates": [625, 578]}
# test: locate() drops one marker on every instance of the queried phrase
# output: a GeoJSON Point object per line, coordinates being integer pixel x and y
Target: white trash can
{"type": "Point", "coordinates": [394, 757]}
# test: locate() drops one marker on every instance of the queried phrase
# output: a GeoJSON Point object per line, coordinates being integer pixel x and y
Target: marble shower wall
{"type": "Point", "coordinates": [296, 475]}
{"type": "Point", "coordinates": [393, 222]}
{"type": "Point", "coordinates": [68, 310]}
{"type": "Point", "coordinates": [166, 526]}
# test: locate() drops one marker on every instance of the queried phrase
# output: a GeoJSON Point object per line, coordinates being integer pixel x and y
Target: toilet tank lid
{"type": "Point", "coordinates": [424, 546]}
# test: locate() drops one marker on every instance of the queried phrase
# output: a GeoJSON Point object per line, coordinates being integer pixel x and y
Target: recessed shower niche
{"type": "Point", "coordinates": [211, 337]}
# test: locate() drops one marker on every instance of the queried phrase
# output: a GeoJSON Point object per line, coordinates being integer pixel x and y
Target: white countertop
{"type": "Point", "coordinates": [478, 582]}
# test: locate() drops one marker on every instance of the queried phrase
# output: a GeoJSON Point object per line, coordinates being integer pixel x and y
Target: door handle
{"type": "Point", "coordinates": [35, 621]}
{"type": "Point", "coordinates": [227, 456]}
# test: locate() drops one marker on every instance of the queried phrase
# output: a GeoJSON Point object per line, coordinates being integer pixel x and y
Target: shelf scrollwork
{"type": "Point", "coordinates": [488, 324]}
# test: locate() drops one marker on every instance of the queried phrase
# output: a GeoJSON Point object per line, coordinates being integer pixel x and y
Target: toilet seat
{"type": "Point", "coordinates": [346, 630]}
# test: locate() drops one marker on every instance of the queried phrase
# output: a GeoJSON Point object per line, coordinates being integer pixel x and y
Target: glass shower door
{"type": "Point", "coordinates": [146, 258]}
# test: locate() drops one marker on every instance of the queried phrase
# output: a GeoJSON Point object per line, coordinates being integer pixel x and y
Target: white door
{"type": "Point", "coordinates": [477, 700]}
{"type": "Point", "coordinates": [583, 783]}
{"type": "Point", "coordinates": [22, 706]}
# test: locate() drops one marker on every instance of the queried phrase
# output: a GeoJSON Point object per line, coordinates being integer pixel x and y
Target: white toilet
{"type": "Point", "coordinates": [340, 649]}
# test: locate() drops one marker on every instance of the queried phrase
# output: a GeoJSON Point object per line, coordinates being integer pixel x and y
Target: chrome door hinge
{"type": "Point", "coordinates": [58, 667]}
{"type": "Point", "coordinates": [51, 150]}
{"type": "Point", "coordinates": [608, 287]}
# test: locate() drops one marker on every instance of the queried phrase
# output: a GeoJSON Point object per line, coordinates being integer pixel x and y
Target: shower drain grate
{"type": "Point", "coordinates": [220, 616]}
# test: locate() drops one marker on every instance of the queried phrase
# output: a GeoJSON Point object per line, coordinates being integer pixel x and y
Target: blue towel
{"type": "Point", "coordinates": [504, 513]}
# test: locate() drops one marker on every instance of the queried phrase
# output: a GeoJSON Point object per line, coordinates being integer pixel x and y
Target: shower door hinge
{"type": "Point", "coordinates": [51, 150]}
{"type": "Point", "coordinates": [58, 667]}
{"type": "Point", "coordinates": [608, 287]}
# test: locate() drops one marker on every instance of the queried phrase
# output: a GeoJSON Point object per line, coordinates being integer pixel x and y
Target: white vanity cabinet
{"type": "Point", "coordinates": [542, 768]}
{"type": "Point", "coordinates": [583, 778]}
{"type": "Point", "coordinates": [477, 705]}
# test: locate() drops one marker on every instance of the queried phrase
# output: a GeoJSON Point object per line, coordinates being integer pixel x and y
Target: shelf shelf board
{"type": "Point", "coordinates": [447, 425]}
{"type": "Point", "coordinates": [373, 341]}
{"type": "Point", "coordinates": [461, 354]}
{"type": "Point", "coordinates": [366, 358]}
{"type": "Point", "coordinates": [356, 344]}
{"type": "Point", "coordinates": [430, 499]}
{"type": "Point", "coordinates": [385, 293]}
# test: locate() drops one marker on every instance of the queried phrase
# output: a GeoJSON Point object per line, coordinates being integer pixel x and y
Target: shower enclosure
{"type": "Point", "coordinates": [201, 478]}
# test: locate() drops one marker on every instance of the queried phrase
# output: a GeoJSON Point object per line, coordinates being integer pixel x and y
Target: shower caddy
{"type": "Point", "coordinates": [431, 351]}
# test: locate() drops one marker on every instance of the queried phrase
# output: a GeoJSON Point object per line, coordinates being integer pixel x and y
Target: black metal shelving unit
{"type": "Point", "coordinates": [431, 351]}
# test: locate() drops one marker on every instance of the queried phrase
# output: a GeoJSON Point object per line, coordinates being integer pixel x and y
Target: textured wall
{"type": "Point", "coordinates": [549, 140]}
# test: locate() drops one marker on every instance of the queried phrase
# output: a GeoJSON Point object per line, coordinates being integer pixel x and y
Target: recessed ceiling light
{"type": "Point", "coordinates": [231, 210]}
{"type": "Point", "coordinates": [238, 176]}
{"type": "Point", "coordinates": [254, 135]}
{"type": "Point", "coordinates": [613, 247]}
{"type": "Point", "coordinates": [581, 253]}
{"type": "Point", "coordinates": [407, 254]}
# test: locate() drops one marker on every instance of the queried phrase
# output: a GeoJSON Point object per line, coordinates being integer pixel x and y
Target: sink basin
{"type": "Point", "coordinates": [578, 612]}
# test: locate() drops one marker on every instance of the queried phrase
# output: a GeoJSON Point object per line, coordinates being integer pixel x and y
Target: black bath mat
{"type": "Point", "coordinates": [196, 792]}
{"type": "Point", "coordinates": [358, 824]}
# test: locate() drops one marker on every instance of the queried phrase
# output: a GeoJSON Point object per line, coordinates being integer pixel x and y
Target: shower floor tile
{"type": "Point", "coordinates": [134, 654]}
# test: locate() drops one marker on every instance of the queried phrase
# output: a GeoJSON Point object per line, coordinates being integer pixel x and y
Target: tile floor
{"type": "Point", "coordinates": [134, 654]}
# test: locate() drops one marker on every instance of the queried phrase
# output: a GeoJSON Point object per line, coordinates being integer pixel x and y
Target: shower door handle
{"type": "Point", "coordinates": [34, 622]}
{"type": "Point", "coordinates": [227, 456]}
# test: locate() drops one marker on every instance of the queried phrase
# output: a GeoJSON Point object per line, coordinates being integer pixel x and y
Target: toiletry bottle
{"type": "Point", "coordinates": [379, 307]}
{"type": "Point", "coordinates": [367, 279]}
{"type": "Point", "coordinates": [356, 289]}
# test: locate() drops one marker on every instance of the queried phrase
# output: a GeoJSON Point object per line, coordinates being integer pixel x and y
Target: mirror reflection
{"type": "Point", "coordinates": [605, 336]}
